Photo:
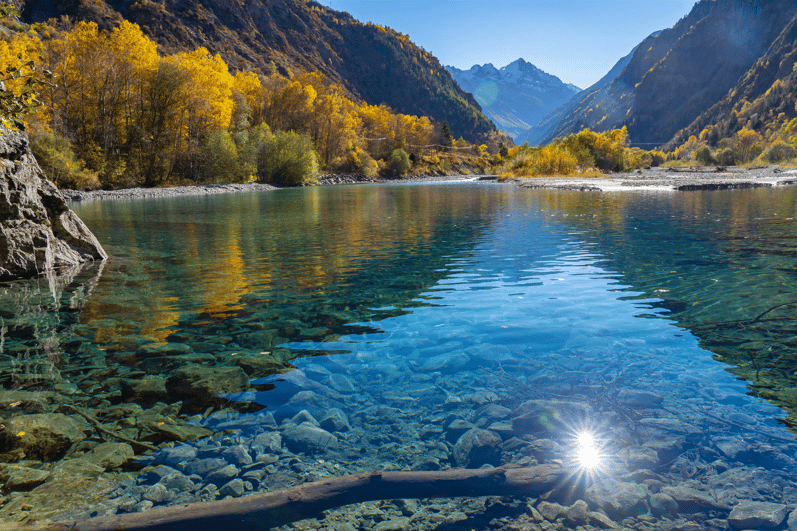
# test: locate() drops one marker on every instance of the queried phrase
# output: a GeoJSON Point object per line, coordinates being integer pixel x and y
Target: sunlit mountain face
{"type": "Point", "coordinates": [516, 96]}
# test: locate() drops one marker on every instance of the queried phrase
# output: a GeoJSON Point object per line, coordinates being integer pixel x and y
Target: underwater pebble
{"type": "Point", "coordinates": [222, 475]}
{"type": "Point", "coordinates": [335, 421]}
{"type": "Point", "coordinates": [177, 482]}
{"type": "Point", "coordinates": [476, 448]}
{"type": "Point", "coordinates": [234, 488]}
{"type": "Point", "coordinates": [203, 466]}
{"type": "Point", "coordinates": [177, 454]}
{"type": "Point", "coordinates": [756, 515]}
{"type": "Point", "coordinates": [237, 455]}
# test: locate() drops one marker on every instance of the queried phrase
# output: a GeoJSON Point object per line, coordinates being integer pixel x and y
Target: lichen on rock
{"type": "Point", "coordinates": [38, 231]}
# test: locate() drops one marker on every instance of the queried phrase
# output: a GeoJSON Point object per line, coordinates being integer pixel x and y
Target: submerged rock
{"type": "Point", "coordinates": [477, 448]}
{"type": "Point", "coordinates": [200, 387]}
{"type": "Point", "coordinates": [22, 478]}
{"type": "Point", "coordinates": [757, 515]}
{"type": "Point", "coordinates": [618, 498]}
{"type": "Point", "coordinates": [38, 231]}
{"type": "Point", "coordinates": [44, 436]}
{"type": "Point", "coordinates": [111, 455]}
{"type": "Point", "coordinates": [545, 416]}
{"type": "Point", "coordinates": [28, 402]}
{"type": "Point", "coordinates": [308, 439]}
{"type": "Point", "coordinates": [335, 421]}
{"type": "Point", "coordinates": [578, 513]}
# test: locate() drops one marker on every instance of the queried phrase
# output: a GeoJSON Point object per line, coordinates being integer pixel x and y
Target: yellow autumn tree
{"type": "Point", "coordinates": [747, 144]}
{"type": "Point", "coordinates": [288, 105]}
{"type": "Point", "coordinates": [101, 91]}
{"type": "Point", "coordinates": [19, 57]}
{"type": "Point", "coordinates": [246, 91]}
{"type": "Point", "coordinates": [209, 102]}
{"type": "Point", "coordinates": [334, 126]}
{"type": "Point", "coordinates": [248, 84]}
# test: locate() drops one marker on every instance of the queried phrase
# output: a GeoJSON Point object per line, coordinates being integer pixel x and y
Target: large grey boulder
{"type": "Point", "coordinates": [38, 231]}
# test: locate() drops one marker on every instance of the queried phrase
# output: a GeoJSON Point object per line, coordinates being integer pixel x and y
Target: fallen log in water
{"type": "Point", "coordinates": [272, 509]}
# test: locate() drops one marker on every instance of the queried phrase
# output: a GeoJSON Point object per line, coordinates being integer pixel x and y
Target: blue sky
{"type": "Point", "coordinates": [577, 40]}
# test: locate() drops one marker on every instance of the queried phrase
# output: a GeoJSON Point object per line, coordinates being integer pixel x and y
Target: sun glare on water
{"type": "Point", "coordinates": [587, 451]}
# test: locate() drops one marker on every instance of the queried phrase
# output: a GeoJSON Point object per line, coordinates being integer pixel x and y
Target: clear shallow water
{"type": "Point", "coordinates": [420, 312]}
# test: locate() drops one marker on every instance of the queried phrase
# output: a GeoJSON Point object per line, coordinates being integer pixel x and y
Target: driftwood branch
{"type": "Point", "coordinates": [273, 509]}
{"type": "Point", "coordinates": [99, 427]}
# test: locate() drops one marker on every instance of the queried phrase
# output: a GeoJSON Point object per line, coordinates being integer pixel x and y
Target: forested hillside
{"type": "Point", "coordinates": [370, 62]}
{"type": "Point", "coordinates": [123, 114]}
{"type": "Point", "coordinates": [761, 107]}
{"type": "Point", "coordinates": [674, 77]}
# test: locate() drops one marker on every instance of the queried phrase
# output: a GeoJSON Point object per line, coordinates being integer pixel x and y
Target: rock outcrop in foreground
{"type": "Point", "coordinates": [38, 231]}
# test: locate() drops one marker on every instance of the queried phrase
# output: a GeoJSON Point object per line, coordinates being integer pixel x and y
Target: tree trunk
{"type": "Point", "coordinates": [273, 509]}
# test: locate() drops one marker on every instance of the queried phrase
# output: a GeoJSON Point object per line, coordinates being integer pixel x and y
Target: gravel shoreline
{"type": "Point", "coordinates": [678, 179]}
{"type": "Point", "coordinates": [211, 189]}
{"type": "Point", "coordinates": [681, 179]}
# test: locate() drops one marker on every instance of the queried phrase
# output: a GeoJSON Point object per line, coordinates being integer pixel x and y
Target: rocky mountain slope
{"type": "Point", "coordinates": [516, 96]}
{"type": "Point", "coordinates": [675, 76]}
{"type": "Point", "coordinates": [537, 132]}
{"type": "Point", "coordinates": [766, 96]}
{"type": "Point", "coordinates": [375, 64]}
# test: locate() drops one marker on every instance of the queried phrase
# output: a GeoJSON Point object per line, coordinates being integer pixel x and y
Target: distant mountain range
{"type": "Point", "coordinates": [373, 63]}
{"type": "Point", "coordinates": [542, 129]}
{"type": "Point", "coordinates": [516, 96]}
{"type": "Point", "coordinates": [679, 81]}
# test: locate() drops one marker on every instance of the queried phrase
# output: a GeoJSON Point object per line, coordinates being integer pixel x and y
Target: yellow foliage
{"type": "Point", "coordinates": [15, 53]}
{"type": "Point", "coordinates": [747, 144]}
{"type": "Point", "coordinates": [248, 84]}
{"type": "Point", "coordinates": [550, 160]}
{"type": "Point", "coordinates": [209, 103]}
{"type": "Point", "coordinates": [128, 44]}
{"type": "Point", "coordinates": [101, 80]}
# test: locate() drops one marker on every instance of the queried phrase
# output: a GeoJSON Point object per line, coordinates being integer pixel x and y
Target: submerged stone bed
{"type": "Point", "coordinates": [338, 421]}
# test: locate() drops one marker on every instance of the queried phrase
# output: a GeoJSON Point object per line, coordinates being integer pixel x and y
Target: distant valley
{"type": "Point", "coordinates": [516, 96]}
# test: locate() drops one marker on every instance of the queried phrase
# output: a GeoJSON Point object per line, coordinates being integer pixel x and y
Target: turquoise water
{"type": "Point", "coordinates": [403, 319]}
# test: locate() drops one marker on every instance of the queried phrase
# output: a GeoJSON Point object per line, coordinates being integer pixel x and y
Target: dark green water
{"type": "Point", "coordinates": [422, 311]}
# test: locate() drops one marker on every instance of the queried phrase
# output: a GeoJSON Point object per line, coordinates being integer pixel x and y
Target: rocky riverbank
{"type": "Point", "coordinates": [38, 231]}
{"type": "Point", "coordinates": [211, 189]}
{"type": "Point", "coordinates": [681, 179]}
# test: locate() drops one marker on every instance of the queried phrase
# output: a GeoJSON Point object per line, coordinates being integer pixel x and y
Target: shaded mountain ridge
{"type": "Point", "coordinates": [764, 99]}
{"type": "Point", "coordinates": [674, 76]}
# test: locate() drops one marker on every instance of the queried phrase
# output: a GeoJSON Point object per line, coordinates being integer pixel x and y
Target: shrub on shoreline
{"type": "Point", "coordinates": [288, 159]}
